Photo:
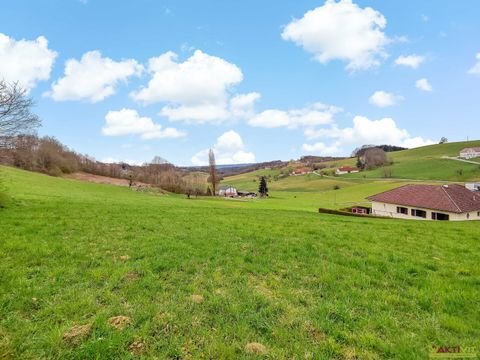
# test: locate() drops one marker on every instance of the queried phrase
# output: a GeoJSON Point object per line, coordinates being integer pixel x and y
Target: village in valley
{"type": "Point", "coordinates": [417, 201]}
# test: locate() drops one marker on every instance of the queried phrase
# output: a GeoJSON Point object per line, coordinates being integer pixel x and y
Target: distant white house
{"type": "Point", "coordinates": [470, 153]}
{"type": "Point", "coordinates": [228, 191]}
{"type": "Point", "coordinates": [346, 170]}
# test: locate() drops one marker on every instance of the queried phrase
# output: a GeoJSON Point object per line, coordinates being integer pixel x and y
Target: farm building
{"type": "Point", "coordinates": [227, 191]}
{"type": "Point", "coordinates": [428, 202]}
{"type": "Point", "coordinates": [346, 170]}
{"type": "Point", "coordinates": [470, 153]}
{"type": "Point", "coordinates": [302, 171]}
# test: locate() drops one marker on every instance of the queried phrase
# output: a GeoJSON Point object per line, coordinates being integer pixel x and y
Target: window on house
{"type": "Point", "coordinates": [402, 210]}
{"type": "Point", "coordinates": [440, 216]}
{"type": "Point", "coordinates": [419, 213]}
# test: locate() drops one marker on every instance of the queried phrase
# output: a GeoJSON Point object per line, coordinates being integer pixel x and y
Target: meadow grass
{"type": "Point", "coordinates": [424, 163]}
{"type": "Point", "coordinates": [305, 285]}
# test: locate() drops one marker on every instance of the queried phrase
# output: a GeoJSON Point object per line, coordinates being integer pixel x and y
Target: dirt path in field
{"type": "Point", "coordinates": [102, 179]}
{"type": "Point", "coordinates": [462, 160]}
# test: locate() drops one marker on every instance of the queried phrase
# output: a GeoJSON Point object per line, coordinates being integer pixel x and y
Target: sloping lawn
{"type": "Point", "coordinates": [203, 278]}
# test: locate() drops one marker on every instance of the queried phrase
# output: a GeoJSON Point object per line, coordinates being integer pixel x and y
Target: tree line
{"type": "Point", "coordinates": [22, 148]}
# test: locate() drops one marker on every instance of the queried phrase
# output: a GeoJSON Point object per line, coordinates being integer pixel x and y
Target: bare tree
{"type": "Point", "coordinates": [375, 158]}
{"type": "Point", "coordinates": [212, 170]}
{"type": "Point", "coordinates": [16, 117]}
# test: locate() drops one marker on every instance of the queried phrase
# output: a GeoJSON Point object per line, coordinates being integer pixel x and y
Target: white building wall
{"type": "Point", "coordinates": [469, 154]}
{"type": "Point", "coordinates": [390, 210]}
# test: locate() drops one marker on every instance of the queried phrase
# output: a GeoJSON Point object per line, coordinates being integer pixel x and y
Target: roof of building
{"type": "Point", "coordinates": [476, 149]}
{"type": "Point", "coordinates": [226, 187]}
{"type": "Point", "coordinates": [300, 170]}
{"type": "Point", "coordinates": [347, 168]}
{"type": "Point", "coordinates": [451, 198]}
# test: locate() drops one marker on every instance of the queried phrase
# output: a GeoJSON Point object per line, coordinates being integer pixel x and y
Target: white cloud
{"type": "Point", "coordinates": [93, 77]}
{"type": "Point", "coordinates": [320, 148]}
{"type": "Point", "coordinates": [475, 70]}
{"type": "Point", "coordinates": [364, 131]}
{"type": "Point", "coordinates": [384, 99]}
{"type": "Point", "coordinates": [25, 61]}
{"type": "Point", "coordinates": [242, 105]}
{"type": "Point", "coordinates": [412, 61]}
{"type": "Point", "coordinates": [229, 149]}
{"type": "Point", "coordinates": [313, 115]}
{"type": "Point", "coordinates": [196, 90]}
{"type": "Point", "coordinates": [424, 85]}
{"type": "Point", "coordinates": [129, 122]}
{"type": "Point", "coordinates": [341, 30]}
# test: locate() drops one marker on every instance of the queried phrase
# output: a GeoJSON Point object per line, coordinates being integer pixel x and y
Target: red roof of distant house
{"type": "Point", "coordinates": [451, 198]}
{"type": "Point", "coordinates": [347, 168]}
{"type": "Point", "coordinates": [302, 170]}
{"type": "Point", "coordinates": [476, 149]}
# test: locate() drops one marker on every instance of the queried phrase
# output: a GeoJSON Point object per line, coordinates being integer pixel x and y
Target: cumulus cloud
{"type": "Point", "coordinates": [129, 122]}
{"type": "Point", "coordinates": [25, 61]}
{"type": "Point", "coordinates": [475, 70]}
{"type": "Point", "coordinates": [341, 30]}
{"type": "Point", "coordinates": [196, 90]}
{"type": "Point", "coordinates": [229, 149]}
{"type": "Point", "coordinates": [242, 105]}
{"type": "Point", "coordinates": [412, 61]}
{"type": "Point", "coordinates": [384, 99]}
{"type": "Point", "coordinates": [93, 77]}
{"type": "Point", "coordinates": [310, 116]}
{"type": "Point", "coordinates": [320, 148]}
{"type": "Point", "coordinates": [363, 131]}
{"type": "Point", "coordinates": [424, 85]}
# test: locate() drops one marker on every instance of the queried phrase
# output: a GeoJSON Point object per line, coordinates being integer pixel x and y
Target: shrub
{"type": "Point", "coordinates": [55, 171]}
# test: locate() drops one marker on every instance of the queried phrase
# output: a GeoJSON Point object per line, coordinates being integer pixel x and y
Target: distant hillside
{"type": "Point", "coordinates": [236, 169]}
{"type": "Point", "coordinates": [424, 163]}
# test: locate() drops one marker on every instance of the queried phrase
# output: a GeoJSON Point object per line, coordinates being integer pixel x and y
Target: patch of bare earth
{"type": "Point", "coordinates": [137, 347]}
{"type": "Point", "coordinates": [119, 322]}
{"type": "Point", "coordinates": [76, 334]}
{"type": "Point", "coordinates": [314, 334]}
{"type": "Point", "coordinates": [132, 276]}
{"type": "Point", "coordinates": [255, 348]}
{"type": "Point", "coordinates": [97, 179]}
{"type": "Point", "coordinates": [197, 299]}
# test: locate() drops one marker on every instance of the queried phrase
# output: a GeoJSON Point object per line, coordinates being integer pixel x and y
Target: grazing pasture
{"type": "Point", "coordinates": [100, 271]}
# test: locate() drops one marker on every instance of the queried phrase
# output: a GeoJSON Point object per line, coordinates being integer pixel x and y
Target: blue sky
{"type": "Point", "coordinates": [256, 81]}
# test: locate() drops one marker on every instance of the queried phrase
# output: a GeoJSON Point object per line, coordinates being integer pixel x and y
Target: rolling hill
{"type": "Point", "coordinates": [210, 277]}
{"type": "Point", "coordinates": [426, 163]}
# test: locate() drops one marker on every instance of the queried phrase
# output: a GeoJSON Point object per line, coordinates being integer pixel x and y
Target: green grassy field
{"type": "Point", "coordinates": [424, 163]}
{"type": "Point", "coordinates": [305, 285]}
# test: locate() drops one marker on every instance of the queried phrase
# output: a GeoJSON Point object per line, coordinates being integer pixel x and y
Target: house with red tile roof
{"type": "Point", "coordinates": [428, 202]}
{"type": "Point", "coordinates": [302, 171]}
